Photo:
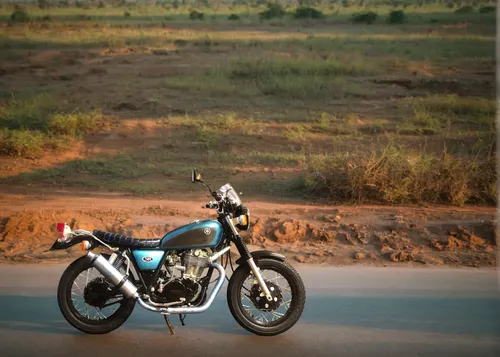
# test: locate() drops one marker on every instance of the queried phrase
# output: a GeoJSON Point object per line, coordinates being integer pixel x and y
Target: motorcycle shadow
{"type": "Point", "coordinates": [41, 314]}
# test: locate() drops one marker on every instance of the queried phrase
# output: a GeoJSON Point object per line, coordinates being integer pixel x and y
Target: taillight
{"type": "Point", "coordinates": [60, 229]}
{"type": "Point", "coordinates": [63, 230]}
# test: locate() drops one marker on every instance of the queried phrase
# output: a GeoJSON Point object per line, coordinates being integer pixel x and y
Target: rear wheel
{"type": "Point", "coordinates": [253, 311]}
{"type": "Point", "coordinates": [88, 302]}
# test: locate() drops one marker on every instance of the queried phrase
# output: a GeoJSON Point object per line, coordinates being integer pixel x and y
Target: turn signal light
{"type": "Point", "coordinates": [86, 245]}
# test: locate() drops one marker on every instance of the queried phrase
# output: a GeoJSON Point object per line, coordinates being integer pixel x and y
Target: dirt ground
{"type": "Point", "coordinates": [367, 235]}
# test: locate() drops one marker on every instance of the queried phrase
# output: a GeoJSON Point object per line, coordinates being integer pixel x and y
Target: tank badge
{"type": "Point", "coordinates": [207, 231]}
{"type": "Point", "coordinates": [147, 259]}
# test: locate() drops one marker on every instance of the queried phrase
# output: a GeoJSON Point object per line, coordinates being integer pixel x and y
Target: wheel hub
{"type": "Point", "coordinates": [259, 298]}
{"type": "Point", "coordinates": [97, 292]}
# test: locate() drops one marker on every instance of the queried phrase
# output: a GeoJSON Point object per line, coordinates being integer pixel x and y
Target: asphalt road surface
{"type": "Point", "coordinates": [349, 312]}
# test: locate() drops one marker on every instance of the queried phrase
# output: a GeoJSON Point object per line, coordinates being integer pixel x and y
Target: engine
{"type": "Point", "coordinates": [185, 288]}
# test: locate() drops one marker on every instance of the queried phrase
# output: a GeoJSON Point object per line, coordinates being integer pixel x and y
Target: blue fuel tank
{"type": "Point", "coordinates": [199, 234]}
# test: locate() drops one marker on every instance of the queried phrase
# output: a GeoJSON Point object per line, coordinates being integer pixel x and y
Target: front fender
{"type": "Point", "coordinates": [263, 254]}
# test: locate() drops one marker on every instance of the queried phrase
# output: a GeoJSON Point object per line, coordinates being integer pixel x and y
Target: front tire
{"type": "Point", "coordinates": [82, 320]}
{"type": "Point", "coordinates": [266, 326]}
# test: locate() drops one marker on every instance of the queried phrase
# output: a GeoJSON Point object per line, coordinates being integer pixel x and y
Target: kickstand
{"type": "Point", "coordinates": [170, 327]}
{"type": "Point", "coordinates": [182, 319]}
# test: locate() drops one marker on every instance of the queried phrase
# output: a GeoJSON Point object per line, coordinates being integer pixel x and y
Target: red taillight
{"type": "Point", "coordinates": [60, 229]}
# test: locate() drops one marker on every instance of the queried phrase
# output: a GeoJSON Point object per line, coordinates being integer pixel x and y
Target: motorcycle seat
{"type": "Point", "coordinates": [126, 241]}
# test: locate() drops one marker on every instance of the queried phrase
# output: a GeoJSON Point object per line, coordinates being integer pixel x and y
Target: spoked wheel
{"type": "Point", "coordinates": [88, 302]}
{"type": "Point", "coordinates": [253, 311]}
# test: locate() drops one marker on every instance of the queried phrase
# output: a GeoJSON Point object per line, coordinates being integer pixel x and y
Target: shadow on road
{"type": "Point", "coordinates": [471, 316]}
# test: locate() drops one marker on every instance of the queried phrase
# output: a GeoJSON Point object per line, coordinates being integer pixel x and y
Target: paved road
{"type": "Point", "coordinates": [349, 312]}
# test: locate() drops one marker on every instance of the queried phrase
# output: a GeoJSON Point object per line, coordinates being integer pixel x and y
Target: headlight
{"type": "Point", "coordinates": [242, 218]}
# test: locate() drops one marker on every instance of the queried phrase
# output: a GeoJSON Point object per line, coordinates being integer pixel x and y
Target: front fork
{"type": "Point", "coordinates": [245, 254]}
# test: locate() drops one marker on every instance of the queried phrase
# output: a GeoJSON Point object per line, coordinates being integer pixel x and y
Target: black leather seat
{"type": "Point", "coordinates": [125, 241]}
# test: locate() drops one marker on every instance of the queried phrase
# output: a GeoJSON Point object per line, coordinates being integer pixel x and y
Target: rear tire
{"type": "Point", "coordinates": [64, 299]}
{"type": "Point", "coordinates": [297, 303]}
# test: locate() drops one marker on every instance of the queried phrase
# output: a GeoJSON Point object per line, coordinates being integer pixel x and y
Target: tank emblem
{"type": "Point", "coordinates": [147, 259]}
{"type": "Point", "coordinates": [207, 231]}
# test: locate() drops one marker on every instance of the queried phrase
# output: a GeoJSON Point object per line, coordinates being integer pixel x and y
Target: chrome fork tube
{"type": "Point", "coordinates": [256, 271]}
{"type": "Point", "coordinates": [251, 263]}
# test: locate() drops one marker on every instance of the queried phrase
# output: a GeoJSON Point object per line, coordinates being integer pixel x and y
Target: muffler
{"type": "Point", "coordinates": [112, 275]}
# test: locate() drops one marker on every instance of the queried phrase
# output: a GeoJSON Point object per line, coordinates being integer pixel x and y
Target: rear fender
{"type": "Point", "coordinates": [260, 254]}
{"type": "Point", "coordinates": [65, 244]}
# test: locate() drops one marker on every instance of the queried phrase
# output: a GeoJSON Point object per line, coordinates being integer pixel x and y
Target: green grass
{"type": "Point", "coordinates": [33, 125]}
{"type": "Point", "coordinates": [261, 68]}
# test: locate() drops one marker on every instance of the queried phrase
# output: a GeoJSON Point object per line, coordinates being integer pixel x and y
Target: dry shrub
{"type": "Point", "coordinates": [395, 175]}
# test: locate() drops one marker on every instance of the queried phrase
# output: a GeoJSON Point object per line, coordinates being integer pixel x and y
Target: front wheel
{"type": "Point", "coordinates": [252, 311]}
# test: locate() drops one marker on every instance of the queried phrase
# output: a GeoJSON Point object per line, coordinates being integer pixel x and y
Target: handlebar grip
{"type": "Point", "coordinates": [208, 205]}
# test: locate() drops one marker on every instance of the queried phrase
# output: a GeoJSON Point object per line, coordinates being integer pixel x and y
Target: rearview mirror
{"type": "Point", "coordinates": [195, 176]}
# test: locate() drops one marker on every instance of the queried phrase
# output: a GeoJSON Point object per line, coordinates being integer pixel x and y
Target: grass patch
{"type": "Point", "coordinates": [22, 142]}
{"type": "Point", "coordinates": [73, 124]}
{"type": "Point", "coordinates": [396, 175]}
{"type": "Point", "coordinates": [31, 126]}
{"type": "Point", "coordinates": [268, 67]}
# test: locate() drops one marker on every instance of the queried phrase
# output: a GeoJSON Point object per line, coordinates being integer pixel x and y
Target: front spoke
{"type": "Point", "coordinates": [251, 306]}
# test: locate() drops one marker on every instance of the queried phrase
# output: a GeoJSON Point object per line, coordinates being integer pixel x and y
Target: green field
{"type": "Point", "coordinates": [129, 97]}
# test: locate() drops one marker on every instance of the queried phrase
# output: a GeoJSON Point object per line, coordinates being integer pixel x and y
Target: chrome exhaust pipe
{"type": "Point", "coordinates": [112, 275]}
{"type": "Point", "coordinates": [190, 310]}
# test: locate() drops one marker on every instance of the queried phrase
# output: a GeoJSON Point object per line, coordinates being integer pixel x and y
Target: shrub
{"type": "Point", "coordinates": [63, 3]}
{"type": "Point", "coordinates": [195, 15]}
{"type": "Point", "coordinates": [274, 10]}
{"type": "Point", "coordinates": [73, 124]}
{"type": "Point", "coordinates": [397, 17]}
{"type": "Point", "coordinates": [464, 10]}
{"type": "Point", "coordinates": [487, 8]}
{"type": "Point", "coordinates": [396, 175]}
{"type": "Point", "coordinates": [127, 14]}
{"type": "Point", "coordinates": [79, 4]}
{"type": "Point", "coordinates": [43, 4]}
{"type": "Point", "coordinates": [22, 142]}
{"type": "Point", "coordinates": [306, 12]}
{"type": "Point", "coordinates": [233, 17]}
{"type": "Point", "coordinates": [46, 18]}
{"type": "Point", "coordinates": [101, 5]}
{"type": "Point", "coordinates": [20, 14]}
{"type": "Point", "coordinates": [364, 17]}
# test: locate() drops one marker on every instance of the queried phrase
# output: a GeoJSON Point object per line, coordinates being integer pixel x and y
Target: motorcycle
{"type": "Point", "coordinates": [171, 275]}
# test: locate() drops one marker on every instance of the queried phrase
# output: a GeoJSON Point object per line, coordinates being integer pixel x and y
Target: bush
{"type": "Point", "coordinates": [486, 9]}
{"type": "Point", "coordinates": [63, 3]}
{"type": "Point", "coordinates": [397, 17]}
{"type": "Point", "coordinates": [464, 10]}
{"type": "Point", "coordinates": [20, 14]}
{"type": "Point", "coordinates": [79, 4]}
{"type": "Point", "coordinates": [43, 4]}
{"type": "Point", "coordinates": [195, 15]}
{"type": "Point", "coordinates": [101, 5]}
{"type": "Point", "coordinates": [274, 10]}
{"type": "Point", "coordinates": [22, 142]}
{"type": "Point", "coordinates": [306, 12]}
{"type": "Point", "coordinates": [233, 17]}
{"type": "Point", "coordinates": [73, 124]}
{"type": "Point", "coordinates": [364, 17]}
{"type": "Point", "coordinates": [46, 18]}
{"type": "Point", "coordinates": [127, 14]}
{"type": "Point", "coordinates": [396, 176]}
